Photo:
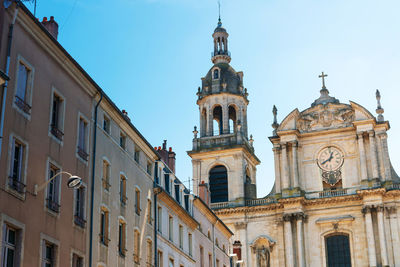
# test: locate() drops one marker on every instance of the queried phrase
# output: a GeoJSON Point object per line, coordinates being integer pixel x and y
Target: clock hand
{"type": "Point", "coordinates": [329, 159]}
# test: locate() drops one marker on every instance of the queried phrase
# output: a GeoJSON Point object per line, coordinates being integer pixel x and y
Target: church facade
{"type": "Point", "coordinates": [336, 196]}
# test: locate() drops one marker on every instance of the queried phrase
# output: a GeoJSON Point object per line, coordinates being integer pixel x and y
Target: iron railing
{"type": "Point", "coordinates": [22, 105]}
{"type": "Point", "coordinates": [16, 184]}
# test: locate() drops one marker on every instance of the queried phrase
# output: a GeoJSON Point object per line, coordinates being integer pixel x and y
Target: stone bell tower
{"type": "Point", "coordinates": [223, 154]}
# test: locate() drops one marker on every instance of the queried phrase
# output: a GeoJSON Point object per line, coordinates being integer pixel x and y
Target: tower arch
{"type": "Point", "coordinates": [218, 182]}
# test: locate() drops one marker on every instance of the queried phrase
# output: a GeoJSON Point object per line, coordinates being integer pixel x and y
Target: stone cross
{"type": "Point", "coordinates": [323, 79]}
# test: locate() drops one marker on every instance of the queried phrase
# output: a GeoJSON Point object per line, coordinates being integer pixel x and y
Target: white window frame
{"type": "Point", "coordinates": [76, 191]}
{"type": "Point", "coordinates": [106, 117]}
{"type": "Point", "coordinates": [5, 221]}
{"type": "Point", "coordinates": [61, 118]}
{"type": "Point", "coordinates": [48, 239]}
{"type": "Point", "coordinates": [24, 164]}
{"type": "Point", "coordinates": [59, 178]}
{"type": "Point", "coordinates": [86, 138]}
{"type": "Point", "coordinates": [79, 254]}
{"type": "Point", "coordinates": [29, 85]}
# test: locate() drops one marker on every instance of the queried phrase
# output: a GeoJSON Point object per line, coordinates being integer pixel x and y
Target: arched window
{"type": "Point", "coordinates": [217, 120]}
{"type": "Point", "coordinates": [338, 250]}
{"type": "Point", "coordinates": [248, 176]}
{"type": "Point", "coordinates": [216, 74]}
{"type": "Point", "coordinates": [232, 119]}
{"type": "Point", "coordinates": [218, 184]}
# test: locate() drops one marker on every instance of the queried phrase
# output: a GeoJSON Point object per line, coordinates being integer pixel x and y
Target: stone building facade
{"type": "Point", "coordinates": [336, 196]}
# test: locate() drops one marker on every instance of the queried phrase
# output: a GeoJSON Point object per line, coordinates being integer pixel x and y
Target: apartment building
{"type": "Point", "coordinates": [46, 118]}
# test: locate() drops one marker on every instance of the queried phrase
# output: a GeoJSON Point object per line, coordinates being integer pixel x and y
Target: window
{"type": "Point", "coordinates": [48, 258]}
{"type": "Point", "coordinates": [10, 248]}
{"type": "Point", "coordinates": [170, 228]}
{"type": "Point", "coordinates": [23, 87]}
{"type": "Point", "coordinates": [104, 227]}
{"type": "Point", "coordinates": [210, 260]}
{"type": "Point", "coordinates": [82, 139]}
{"type": "Point", "coordinates": [338, 250]}
{"type": "Point", "coordinates": [216, 74]}
{"type": "Point", "coordinates": [216, 242]}
{"type": "Point", "coordinates": [149, 213]}
{"type": "Point", "coordinates": [57, 116]}
{"type": "Point", "coordinates": [149, 253]}
{"type": "Point", "coordinates": [177, 193]}
{"type": "Point", "coordinates": [166, 182]}
{"type": "Point", "coordinates": [208, 234]}
{"type": "Point", "coordinates": [122, 140]}
{"type": "Point", "coordinates": [121, 238]}
{"type": "Point", "coordinates": [137, 201]}
{"type": "Point", "coordinates": [122, 190]}
{"type": "Point", "coordinates": [171, 263]}
{"type": "Point", "coordinates": [190, 240]}
{"type": "Point", "coordinates": [217, 261]}
{"type": "Point", "coordinates": [218, 178]}
{"type": "Point", "coordinates": [106, 124]}
{"type": "Point", "coordinates": [159, 258]}
{"type": "Point", "coordinates": [80, 206]}
{"type": "Point", "coordinates": [201, 256]}
{"type": "Point", "coordinates": [106, 175]}
{"type": "Point", "coordinates": [159, 219]}
{"type": "Point", "coordinates": [136, 155]}
{"type": "Point", "coordinates": [186, 197]}
{"type": "Point", "coordinates": [180, 236]}
{"type": "Point", "coordinates": [17, 166]}
{"type": "Point", "coordinates": [136, 246]}
{"type": "Point", "coordinates": [53, 189]}
{"type": "Point", "coordinates": [148, 168]}
{"type": "Point", "coordinates": [77, 261]}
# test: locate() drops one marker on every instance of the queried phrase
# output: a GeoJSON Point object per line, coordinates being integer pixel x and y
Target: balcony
{"type": "Point", "coordinates": [22, 105]}
{"type": "Point", "coordinates": [80, 221]}
{"type": "Point", "coordinates": [223, 140]}
{"type": "Point", "coordinates": [16, 185]}
{"type": "Point", "coordinates": [247, 203]}
{"type": "Point", "coordinates": [220, 53]}
{"type": "Point", "coordinates": [331, 193]}
{"type": "Point", "coordinates": [53, 205]}
{"type": "Point", "coordinates": [57, 133]}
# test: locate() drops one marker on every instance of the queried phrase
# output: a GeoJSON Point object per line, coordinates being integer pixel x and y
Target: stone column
{"type": "Point", "coordinates": [285, 178]}
{"type": "Point", "coordinates": [295, 165]}
{"type": "Point", "coordinates": [300, 242]}
{"type": "Point", "coordinates": [372, 151]}
{"type": "Point", "coordinates": [209, 122]}
{"type": "Point", "coordinates": [363, 161]}
{"type": "Point", "coordinates": [370, 236]}
{"type": "Point", "coordinates": [225, 119]}
{"type": "Point", "coordinates": [382, 236]}
{"type": "Point", "coordinates": [386, 160]}
{"type": "Point", "coordinates": [394, 230]}
{"type": "Point", "coordinates": [288, 240]}
{"type": "Point", "coordinates": [381, 165]}
{"type": "Point", "coordinates": [277, 165]}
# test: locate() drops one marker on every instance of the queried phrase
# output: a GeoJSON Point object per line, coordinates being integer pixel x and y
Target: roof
{"type": "Point", "coordinates": [227, 75]}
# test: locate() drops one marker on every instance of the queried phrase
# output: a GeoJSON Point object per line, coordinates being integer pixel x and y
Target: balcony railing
{"type": "Point", "coordinates": [331, 193]}
{"type": "Point", "coordinates": [220, 53]}
{"type": "Point", "coordinates": [80, 221]}
{"type": "Point", "coordinates": [53, 205]}
{"type": "Point", "coordinates": [56, 132]}
{"type": "Point", "coordinates": [260, 201]}
{"type": "Point", "coordinates": [22, 105]}
{"type": "Point", "coordinates": [82, 153]}
{"type": "Point", "coordinates": [17, 185]}
{"type": "Point", "coordinates": [228, 140]}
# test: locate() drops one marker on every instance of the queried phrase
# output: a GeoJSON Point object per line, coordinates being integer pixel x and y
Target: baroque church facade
{"type": "Point", "coordinates": [335, 201]}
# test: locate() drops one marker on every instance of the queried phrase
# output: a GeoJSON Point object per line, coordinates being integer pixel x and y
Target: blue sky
{"type": "Point", "coordinates": [149, 56]}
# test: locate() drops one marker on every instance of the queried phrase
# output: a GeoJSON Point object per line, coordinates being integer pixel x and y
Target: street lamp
{"type": "Point", "coordinates": [73, 182]}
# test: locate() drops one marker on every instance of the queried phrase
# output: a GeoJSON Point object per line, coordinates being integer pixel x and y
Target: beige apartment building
{"type": "Point", "coordinates": [46, 115]}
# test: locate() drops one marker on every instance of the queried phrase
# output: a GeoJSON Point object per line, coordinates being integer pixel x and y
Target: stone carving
{"type": "Point", "coordinates": [325, 116]}
{"type": "Point", "coordinates": [263, 257]}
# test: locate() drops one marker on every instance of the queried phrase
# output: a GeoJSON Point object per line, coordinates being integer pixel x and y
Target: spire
{"type": "Point", "coordinates": [221, 53]}
{"type": "Point", "coordinates": [275, 124]}
{"type": "Point", "coordinates": [379, 109]}
{"type": "Point", "coordinates": [219, 14]}
{"type": "Point", "coordinates": [324, 98]}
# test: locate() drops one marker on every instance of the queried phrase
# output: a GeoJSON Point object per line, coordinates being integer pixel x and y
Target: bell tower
{"type": "Point", "coordinates": [222, 153]}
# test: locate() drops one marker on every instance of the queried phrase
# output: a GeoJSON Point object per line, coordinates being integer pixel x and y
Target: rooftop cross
{"type": "Point", "coordinates": [323, 79]}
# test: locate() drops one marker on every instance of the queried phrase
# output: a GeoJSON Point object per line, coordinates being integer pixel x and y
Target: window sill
{"type": "Point", "coordinates": [15, 193]}
{"type": "Point", "coordinates": [20, 111]}
{"type": "Point", "coordinates": [79, 221]}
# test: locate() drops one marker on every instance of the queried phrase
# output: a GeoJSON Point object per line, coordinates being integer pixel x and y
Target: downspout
{"type": "Point", "coordinates": [213, 233]}
{"type": "Point", "coordinates": [155, 213]}
{"type": "Point", "coordinates": [7, 70]}
{"type": "Point", "coordinates": [92, 181]}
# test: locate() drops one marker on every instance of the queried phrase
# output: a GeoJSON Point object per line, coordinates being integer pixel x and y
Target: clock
{"type": "Point", "coordinates": [330, 159]}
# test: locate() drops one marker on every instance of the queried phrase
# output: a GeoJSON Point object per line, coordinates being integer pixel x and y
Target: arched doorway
{"type": "Point", "coordinates": [338, 250]}
{"type": "Point", "coordinates": [218, 179]}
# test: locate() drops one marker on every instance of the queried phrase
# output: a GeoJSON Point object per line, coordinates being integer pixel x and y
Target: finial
{"type": "Point", "coordinates": [379, 109]}
{"type": "Point", "coordinates": [195, 132]}
{"type": "Point", "coordinates": [251, 140]}
{"type": "Point", "coordinates": [275, 124]}
{"type": "Point", "coordinates": [238, 126]}
{"type": "Point", "coordinates": [323, 79]}
{"type": "Point", "coordinates": [219, 13]}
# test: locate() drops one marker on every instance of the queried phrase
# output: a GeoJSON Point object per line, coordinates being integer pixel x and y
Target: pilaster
{"type": "Point", "coordinates": [295, 168]}
{"type": "Point", "coordinates": [285, 170]}
{"type": "Point", "coordinates": [300, 243]}
{"type": "Point", "coordinates": [277, 165]}
{"type": "Point", "coordinates": [288, 240]}
{"type": "Point", "coordinates": [372, 148]}
{"type": "Point", "coordinates": [382, 236]}
{"type": "Point", "coordinates": [363, 161]}
{"type": "Point", "coordinates": [370, 236]}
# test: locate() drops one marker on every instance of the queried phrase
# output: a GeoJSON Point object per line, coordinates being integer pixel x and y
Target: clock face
{"type": "Point", "coordinates": [330, 159]}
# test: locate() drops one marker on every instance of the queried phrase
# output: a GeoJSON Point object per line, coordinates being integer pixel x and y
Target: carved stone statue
{"type": "Point", "coordinates": [263, 257]}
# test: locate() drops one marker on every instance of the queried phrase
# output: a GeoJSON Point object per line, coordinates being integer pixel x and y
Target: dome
{"type": "Point", "coordinates": [219, 27]}
{"type": "Point", "coordinates": [227, 75]}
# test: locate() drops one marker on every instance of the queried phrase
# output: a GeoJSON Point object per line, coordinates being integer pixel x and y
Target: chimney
{"type": "Point", "coordinates": [171, 159]}
{"type": "Point", "coordinates": [204, 193]}
{"type": "Point", "coordinates": [51, 26]}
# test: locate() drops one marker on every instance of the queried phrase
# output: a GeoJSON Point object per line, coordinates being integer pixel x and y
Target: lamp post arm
{"type": "Point", "coordinates": [39, 188]}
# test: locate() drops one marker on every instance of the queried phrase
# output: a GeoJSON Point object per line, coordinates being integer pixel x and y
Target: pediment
{"type": "Point", "coordinates": [289, 123]}
{"type": "Point", "coordinates": [360, 112]}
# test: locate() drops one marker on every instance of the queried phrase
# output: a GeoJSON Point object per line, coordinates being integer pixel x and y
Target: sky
{"type": "Point", "coordinates": [149, 57]}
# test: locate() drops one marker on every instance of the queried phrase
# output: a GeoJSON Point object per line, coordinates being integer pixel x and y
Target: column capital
{"type": "Point", "coordinates": [366, 209]}
{"type": "Point", "coordinates": [284, 145]}
{"type": "Point", "coordinates": [382, 135]}
{"type": "Point", "coordinates": [391, 209]}
{"type": "Point", "coordinates": [360, 135]}
{"type": "Point", "coordinates": [380, 208]}
{"type": "Point", "coordinates": [294, 143]}
{"type": "Point", "coordinates": [276, 148]}
{"type": "Point", "coordinates": [287, 217]}
{"type": "Point", "coordinates": [371, 133]}
{"type": "Point", "coordinates": [300, 216]}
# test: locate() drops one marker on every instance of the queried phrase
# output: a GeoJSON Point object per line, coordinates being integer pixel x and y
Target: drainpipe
{"type": "Point", "coordinates": [213, 233]}
{"type": "Point", "coordinates": [92, 182]}
{"type": "Point", "coordinates": [155, 213]}
{"type": "Point", "coordinates": [7, 70]}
